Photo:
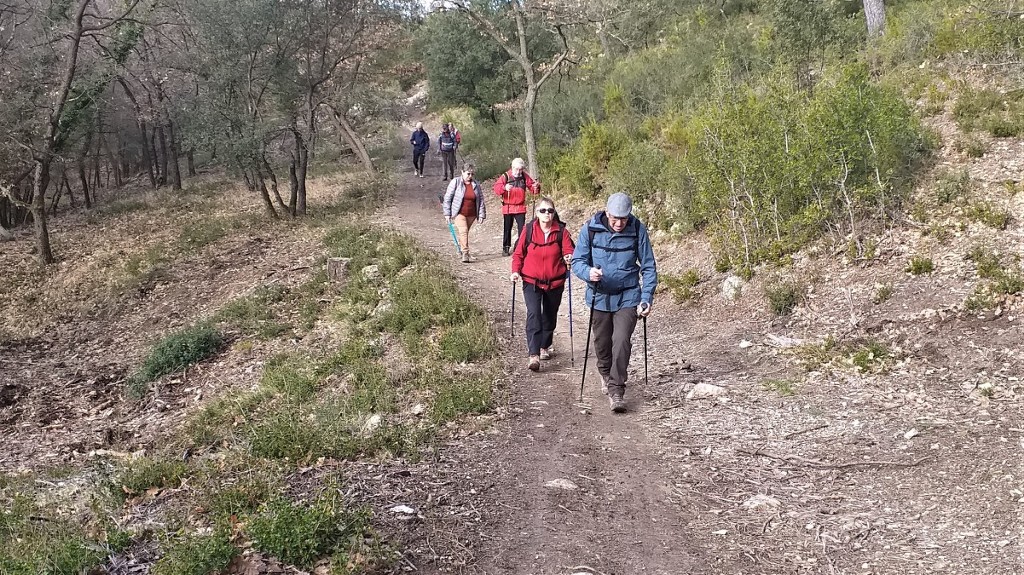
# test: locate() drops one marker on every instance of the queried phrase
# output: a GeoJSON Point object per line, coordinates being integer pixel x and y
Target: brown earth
{"type": "Point", "coordinates": [915, 465]}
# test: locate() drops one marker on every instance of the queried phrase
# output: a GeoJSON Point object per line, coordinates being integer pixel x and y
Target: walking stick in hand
{"type": "Point", "coordinates": [512, 323]}
{"type": "Point", "coordinates": [572, 346]}
{"type": "Point", "coordinates": [451, 228]}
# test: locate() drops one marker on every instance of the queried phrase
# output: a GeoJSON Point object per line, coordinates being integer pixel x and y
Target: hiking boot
{"type": "Point", "coordinates": [465, 257]}
{"type": "Point", "coordinates": [534, 363]}
{"type": "Point", "coordinates": [618, 404]}
{"type": "Point", "coordinates": [421, 174]}
{"type": "Point", "coordinates": [545, 353]}
{"type": "Point", "coordinates": [604, 385]}
{"type": "Point", "coordinates": [505, 252]}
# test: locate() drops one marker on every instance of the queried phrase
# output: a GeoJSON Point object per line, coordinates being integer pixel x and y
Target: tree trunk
{"type": "Point", "coordinates": [40, 181]}
{"type": "Point", "coordinates": [265, 195]}
{"type": "Point", "coordinates": [162, 179]}
{"type": "Point", "coordinates": [293, 187]}
{"type": "Point", "coordinates": [531, 139]}
{"type": "Point", "coordinates": [874, 12]}
{"type": "Point", "coordinates": [190, 161]}
{"type": "Point", "coordinates": [273, 184]}
{"type": "Point", "coordinates": [83, 179]}
{"type": "Point", "coordinates": [353, 140]}
{"type": "Point", "coordinates": [80, 164]}
{"type": "Point", "coordinates": [175, 169]}
{"type": "Point", "coordinates": [294, 172]}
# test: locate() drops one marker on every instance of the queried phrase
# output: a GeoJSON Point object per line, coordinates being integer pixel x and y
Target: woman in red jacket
{"type": "Point", "coordinates": [539, 259]}
{"type": "Point", "coordinates": [512, 187]}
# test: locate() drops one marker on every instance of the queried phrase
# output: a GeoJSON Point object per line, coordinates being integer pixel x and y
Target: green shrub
{"type": "Point", "coordinates": [253, 314]}
{"type": "Point", "coordinates": [780, 386]}
{"type": "Point", "coordinates": [920, 265]}
{"type": "Point", "coordinates": [147, 473]}
{"type": "Point", "coordinates": [459, 397]}
{"type": "Point", "coordinates": [299, 535]}
{"type": "Point", "coordinates": [197, 555]}
{"type": "Point", "coordinates": [870, 356]}
{"type": "Point", "coordinates": [466, 342]}
{"type": "Point", "coordinates": [196, 236]}
{"type": "Point", "coordinates": [972, 105]}
{"type": "Point", "coordinates": [683, 287]}
{"type": "Point", "coordinates": [981, 299]}
{"type": "Point", "coordinates": [987, 263]}
{"type": "Point", "coordinates": [766, 160]}
{"type": "Point", "coordinates": [882, 293]}
{"type": "Point", "coordinates": [783, 296]}
{"type": "Point", "coordinates": [180, 350]}
{"type": "Point", "coordinates": [952, 187]}
{"type": "Point", "coordinates": [971, 146]}
{"type": "Point", "coordinates": [289, 375]}
{"type": "Point", "coordinates": [991, 216]}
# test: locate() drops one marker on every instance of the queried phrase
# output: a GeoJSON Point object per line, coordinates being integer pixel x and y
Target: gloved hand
{"type": "Point", "coordinates": [514, 277]}
{"type": "Point", "coordinates": [644, 309]}
{"type": "Point", "coordinates": [567, 258]}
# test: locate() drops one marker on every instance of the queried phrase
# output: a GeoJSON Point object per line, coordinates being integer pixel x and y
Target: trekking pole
{"type": "Point", "coordinates": [586, 351]}
{"type": "Point", "coordinates": [512, 324]}
{"type": "Point", "coordinates": [645, 350]}
{"type": "Point", "coordinates": [458, 248]}
{"type": "Point", "coordinates": [572, 347]}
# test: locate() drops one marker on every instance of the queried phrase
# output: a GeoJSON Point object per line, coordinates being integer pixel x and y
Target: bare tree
{"type": "Point", "coordinates": [517, 43]}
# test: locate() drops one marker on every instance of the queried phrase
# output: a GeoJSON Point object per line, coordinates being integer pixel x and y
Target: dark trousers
{"type": "Point", "coordinates": [506, 238]}
{"type": "Point", "coordinates": [448, 160]}
{"type": "Point", "coordinates": [613, 333]}
{"type": "Point", "coordinates": [541, 316]}
{"type": "Point", "coordinates": [417, 160]}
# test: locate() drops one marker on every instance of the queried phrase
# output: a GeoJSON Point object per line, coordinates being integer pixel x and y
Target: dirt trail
{"type": "Point", "coordinates": [624, 516]}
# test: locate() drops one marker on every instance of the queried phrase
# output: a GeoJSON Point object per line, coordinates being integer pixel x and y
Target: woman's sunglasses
{"type": "Point", "coordinates": [546, 210]}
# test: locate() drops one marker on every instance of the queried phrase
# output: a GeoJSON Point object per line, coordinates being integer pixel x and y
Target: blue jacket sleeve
{"type": "Point", "coordinates": [581, 257]}
{"type": "Point", "coordinates": [648, 267]}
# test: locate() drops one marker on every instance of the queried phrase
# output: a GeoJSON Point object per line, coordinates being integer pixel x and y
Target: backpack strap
{"type": "Point", "coordinates": [592, 232]}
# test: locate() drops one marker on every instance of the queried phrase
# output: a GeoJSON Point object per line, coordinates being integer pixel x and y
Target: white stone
{"type": "Point", "coordinates": [372, 423]}
{"type": "Point", "coordinates": [704, 391]}
{"type": "Point", "coordinates": [761, 502]}
{"type": "Point", "coordinates": [403, 509]}
{"type": "Point", "coordinates": [561, 483]}
{"type": "Point", "coordinates": [732, 287]}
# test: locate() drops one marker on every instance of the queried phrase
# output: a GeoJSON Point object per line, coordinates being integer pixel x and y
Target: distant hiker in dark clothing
{"type": "Point", "coordinates": [463, 205]}
{"type": "Point", "coordinates": [420, 141]}
{"type": "Point", "coordinates": [540, 259]}
{"type": "Point", "coordinates": [512, 186]}
{"type": "Point", "coordinates": [614, 256]}
{"type": "Point", "coordinates": [447, 145]}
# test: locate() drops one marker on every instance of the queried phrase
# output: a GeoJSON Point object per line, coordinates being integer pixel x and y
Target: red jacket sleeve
{"type": "Point", "coordinates": [499, 184]}
{"type": "Point", "coordinates": [568, 246]}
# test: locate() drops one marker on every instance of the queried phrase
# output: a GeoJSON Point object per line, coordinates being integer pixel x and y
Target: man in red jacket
{"type": "Point", "coordinates": [513, 186]}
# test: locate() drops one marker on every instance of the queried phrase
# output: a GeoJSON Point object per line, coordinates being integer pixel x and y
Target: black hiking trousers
{"type": "Point", "coordinates": [417, 161]}
{"type": "Point", "coordinates": [541, 315]}
{"type": "Point", "coordinates": [506, 236]}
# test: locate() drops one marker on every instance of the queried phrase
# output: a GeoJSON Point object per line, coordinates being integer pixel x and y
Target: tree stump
{"type": "Point", "coordinates": [5, 235]}
{"type": "Point", "coordinates": [337, 270]}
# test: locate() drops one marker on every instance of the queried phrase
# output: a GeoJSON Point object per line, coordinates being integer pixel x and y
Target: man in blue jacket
{"type": "Point", "coordinates": [420, 141]}
{"type": "Point", "coordinates": [615, 258]}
